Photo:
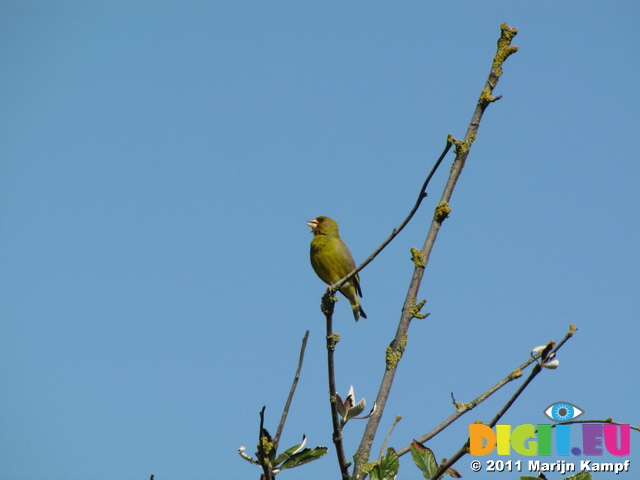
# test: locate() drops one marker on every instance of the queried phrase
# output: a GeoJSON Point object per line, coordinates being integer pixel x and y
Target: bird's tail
{"type": "Point", "coordinates": [358, 312]}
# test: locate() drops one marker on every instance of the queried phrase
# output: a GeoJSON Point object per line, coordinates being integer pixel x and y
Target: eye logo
{"type": "Point", "coordinates": [563, 411]}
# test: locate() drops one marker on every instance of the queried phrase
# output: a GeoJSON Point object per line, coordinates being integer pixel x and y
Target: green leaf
{"type": "Point", "coordinates": [424, 459]}
{"type": "Point", "coordinates": [388, 467]}
{"type": "Point", "coordinates": [580, 476]}
{"type": "Point", "coordinates": [304, 456]}
{"type": "Point", "coordinates": [288, 453]}
{"type": "Point", "coordinates": [376, 473]}
{"type": "Point", "coordinates": [390, 464]}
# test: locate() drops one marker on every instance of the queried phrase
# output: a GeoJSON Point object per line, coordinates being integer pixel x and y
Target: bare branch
{"type": "Point", "coordinates": [442, 210]}
{"type": "Point", "coordinates": [285, 412]}
{"type": "Point", "coordinates": [332, 339]}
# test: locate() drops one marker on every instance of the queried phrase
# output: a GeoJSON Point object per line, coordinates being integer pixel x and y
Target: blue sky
{"type": "Point", "coordinates": [159, 161]}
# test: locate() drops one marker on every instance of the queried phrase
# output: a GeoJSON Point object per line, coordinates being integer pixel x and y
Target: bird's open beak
{"type": "Point", "coordinates": [313, 223]}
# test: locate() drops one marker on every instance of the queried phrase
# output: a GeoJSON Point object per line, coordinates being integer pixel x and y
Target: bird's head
{"type": "Point", "coordinates": [323, 226]}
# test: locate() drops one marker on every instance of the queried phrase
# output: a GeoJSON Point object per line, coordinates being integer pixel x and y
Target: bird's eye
{"type": "Point", "coordinates": [563, 411]}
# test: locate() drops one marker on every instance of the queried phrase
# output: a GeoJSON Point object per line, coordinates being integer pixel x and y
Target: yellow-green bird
{"type": "Point", "coordinates": [332, 260]}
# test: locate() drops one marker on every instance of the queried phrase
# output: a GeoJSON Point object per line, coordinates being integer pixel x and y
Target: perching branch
{"type": "Point", "coordinates": [328, 303]}
{"type": "Point", "coordinates": [421, 196]}
{"type": "Point", "coordinates": [534, 373]}
{"type": "Point", "coordinates": [285, 412]}
{"type": "Point", "coordinates": [409, 310]}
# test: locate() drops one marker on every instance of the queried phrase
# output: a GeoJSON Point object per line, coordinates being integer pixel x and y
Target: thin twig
{"type": "Point", "coordinates": [534, 373]}
{"type": "Point", "coordinates": [606, 420]}
{"type": "Point", "coordinates": [332, 339]}
{"type": "Point", "coordinates": [285, 412]}
{"type": "Point", "coordinates": [386, 439]}
{"type": "Point", "coordinates": [409, 311]}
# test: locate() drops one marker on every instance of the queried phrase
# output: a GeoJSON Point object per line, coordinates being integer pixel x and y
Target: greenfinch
{"type": "Point", "coordinates": [332, 260]}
